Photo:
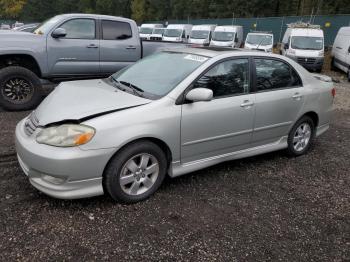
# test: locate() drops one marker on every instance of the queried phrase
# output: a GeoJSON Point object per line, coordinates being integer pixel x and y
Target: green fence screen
{"type": "Point", "coordinates": [277, 25]}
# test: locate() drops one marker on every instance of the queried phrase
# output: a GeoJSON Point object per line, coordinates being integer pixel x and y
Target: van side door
{"type": "Point", "coordinates": [120, 46]}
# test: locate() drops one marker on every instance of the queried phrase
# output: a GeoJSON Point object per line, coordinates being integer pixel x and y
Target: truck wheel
{"type": "Point", "coordinates": [20, 89]}
{"type": "Point", "coordinates": [333, 68]}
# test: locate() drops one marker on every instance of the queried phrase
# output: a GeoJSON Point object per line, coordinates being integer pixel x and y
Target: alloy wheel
{"type": "Point", "coordinates": [139, 174]}
{"type": "Point", "coordinates": [302, 137]}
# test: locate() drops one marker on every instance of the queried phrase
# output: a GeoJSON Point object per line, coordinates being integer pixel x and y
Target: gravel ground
{"type": "Point", "coordinates": [269, 207]}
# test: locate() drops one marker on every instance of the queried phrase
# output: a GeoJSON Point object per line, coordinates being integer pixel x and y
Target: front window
{"type": "Point", "coordinates": [47, 25]}
{"type": "Point", "coordinates": [173, 33]}
{"type": "Point", "coordinates": [158, 74]}
{"type": "Point", "coordinates": [199, 34]}
{"type": "Point", "coordinates": [80, 28]}
{"type": "Point", "coordinates": [146, 30]}
{"type": "Point", "coordinates": [227, 78]}
{"type": "Point", "coordinates": [223, 36]}
{"type": "Point", "coordinates": [307, 42]}
{"type": "Point", "coordinates": [262, 40]}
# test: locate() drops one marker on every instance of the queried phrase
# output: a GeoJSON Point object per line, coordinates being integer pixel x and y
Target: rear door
{"type": "Point", "coordinates": [120, 46]}
{"type": "Point", "coordinates": [224, 124]}
{"type": "Point", "coordinates": [279, 98]}
{"type": "Point", "coordinates": [78, 52]}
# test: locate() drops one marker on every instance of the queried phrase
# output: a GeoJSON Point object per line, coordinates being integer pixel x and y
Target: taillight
{"type": "Point", "coordinates": [333, 92]}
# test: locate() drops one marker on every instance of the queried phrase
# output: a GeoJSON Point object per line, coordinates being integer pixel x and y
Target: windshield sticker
{"type": "Point", "coordinates": [196, 58]}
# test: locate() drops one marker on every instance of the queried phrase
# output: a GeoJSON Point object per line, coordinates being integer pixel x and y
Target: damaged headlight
{"type": "Point", "coordinates": [66, 135]}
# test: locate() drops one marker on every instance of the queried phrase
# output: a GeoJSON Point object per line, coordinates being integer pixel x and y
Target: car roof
{"type": "Point", "coordinates": [220, 51]}
{"type": "Point", "coordinates": [109, 17]}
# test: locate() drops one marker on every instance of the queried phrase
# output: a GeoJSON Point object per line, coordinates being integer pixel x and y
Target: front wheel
{"type": "Point", "coordinates": [136, 172]}
{"type": "Point", "coordinates": [301, 136]}
{"type": "Point", "coordinates": [20, 89]}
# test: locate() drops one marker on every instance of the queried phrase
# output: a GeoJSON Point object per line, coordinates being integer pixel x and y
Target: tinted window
{"type": "Point", "coordinates": [80, 28]}
{"type": "Point", "coordinates": [273, 74]}
{"type": "Point", "coordinates": [227, 78]}
{"type": "Point", "coordinates": [113, 30]}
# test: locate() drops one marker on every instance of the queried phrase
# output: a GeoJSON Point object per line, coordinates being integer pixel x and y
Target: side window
{"type": "Point", "coordinates": [80, 29]}
{"type": "Point", "coordinates": [114, 30]}
{"type": "Point", "coordinates": [274, 74]}
{"type": "Point", "coordinates": [227, 78]}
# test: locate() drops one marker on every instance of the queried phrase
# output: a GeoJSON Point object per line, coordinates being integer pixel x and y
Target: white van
{"type": "Point", "coordinates": [304, 43]}
{"type": "Point", "coordinates": [157, 34]}
{"type": "Point", "coordinates": [201, 34]}
{"type": "Point", "coordinates": [341, 51]}
{"type": "Point", "coordinates": [262, 41]}
{"type": "Point", "coordinates": [147, 29]}
{"type": "Point", "coordinates": [227, 36]}
{"type": "Point", "coordinates": [177, 33]}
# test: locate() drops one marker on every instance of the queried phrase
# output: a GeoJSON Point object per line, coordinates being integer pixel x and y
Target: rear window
{"type": "Point", "coordinates": [114, 30]}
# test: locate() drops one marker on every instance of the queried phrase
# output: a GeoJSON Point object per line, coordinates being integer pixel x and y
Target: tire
{"type": "Point", "coordinates": [349, 74]}
{"type": "Point", "coordinates": [333, 68]}
{"type": "Point", "coordinates": [304, 146]}
{"type": "Point", "coordinates": [26, 85]}
{"type": "Point", "coordinates": [121, 182]}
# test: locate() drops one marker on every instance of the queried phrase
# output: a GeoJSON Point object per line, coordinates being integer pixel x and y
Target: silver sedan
{"type": "Point", "coordinates": [170, 114]}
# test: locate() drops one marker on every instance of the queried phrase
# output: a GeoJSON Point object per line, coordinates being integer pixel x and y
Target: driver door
{"type": "Point", "coordinates": [78, 53]}
{"type": "Point", "coordinates": [224, 124]}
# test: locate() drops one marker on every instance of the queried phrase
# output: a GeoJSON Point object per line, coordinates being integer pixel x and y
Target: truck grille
{"type": "Point", "coordinates": [306, 60]}
{"type": "Point", "coordinates": [154, 38]}
{"type": "Point", "coordinates": [31, 124]}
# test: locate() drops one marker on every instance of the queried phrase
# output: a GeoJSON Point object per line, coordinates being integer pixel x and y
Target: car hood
{"type": "Point", "coordinates": [78, 100]}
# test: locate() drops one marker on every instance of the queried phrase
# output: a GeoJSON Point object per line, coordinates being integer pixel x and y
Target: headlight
{"type": "Point", "coordinates": [269, 50]}
{"type": "Point", "coordinates": [66, 135]}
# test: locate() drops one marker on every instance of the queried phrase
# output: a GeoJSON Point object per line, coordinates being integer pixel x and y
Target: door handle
{"type": "Point", "coordinates": [92, 46]}
{"type": "Point", "coordinates": [339, 47]}
{"type": "Point", "coordinates": [247, 104]}
{"type": "Point", "coordinates": [297, 96]}
{"type": "Point", "coordinates": [131, 47]}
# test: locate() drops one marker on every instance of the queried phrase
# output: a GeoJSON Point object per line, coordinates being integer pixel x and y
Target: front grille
{"type": "Point", "coordinates": [31, 124]}
{"type": "Point", "coordinates": [306, 60]}
{"type": "Point", "coordinates": [154, 38]}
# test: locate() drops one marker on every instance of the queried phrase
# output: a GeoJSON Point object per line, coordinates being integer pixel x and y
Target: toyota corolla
{"type": "Point", "coordinates": [170, 114]}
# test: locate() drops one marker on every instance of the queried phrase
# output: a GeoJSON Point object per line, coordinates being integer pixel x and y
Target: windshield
{"type": "Point", "coordinates": [307, 42]}
{"type": "Point", "coordinates": [223, 36]}
{"type": "Point", "coordinates": [158, 31]}
{"type": "Point", "coordinates": [199, 34]}
{"type": "Point", "coordinates": [46, 26]}
{"type": "Point", "coordinates": [255, 39]}
{"type": "Point", "coordinates": [173, 32]}
{"type": "Point", "coordinates": [158, 74]}
{"type": "Point", "coordinates": [146, 30]}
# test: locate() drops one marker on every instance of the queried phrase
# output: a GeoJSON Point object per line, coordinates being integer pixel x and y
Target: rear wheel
{"type": "Point", "coordinates": [136, 172]}
{"type": "Point", "coordinates": [301, 136]}
{"type": "Point", "coordinates": [20, 89]}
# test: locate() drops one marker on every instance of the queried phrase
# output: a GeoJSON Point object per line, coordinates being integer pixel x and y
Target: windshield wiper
{"type": "Point", "coordinates": [137, 91]}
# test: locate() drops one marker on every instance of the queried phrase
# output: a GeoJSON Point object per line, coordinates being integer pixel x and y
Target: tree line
{"type": "Point", "coordinates": [157, 10]}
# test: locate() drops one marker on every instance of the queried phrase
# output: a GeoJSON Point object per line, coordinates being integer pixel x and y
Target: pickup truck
{"type": "Point", "coordinates": [67, 47]}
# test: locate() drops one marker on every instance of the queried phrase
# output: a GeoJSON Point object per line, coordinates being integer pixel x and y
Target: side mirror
{"type": "Point", "coordinates": [286, 46]}
{"type": "Point", "coordinates": [59, 33]}
{"type": "Point", "coordinates": [349, 50]}
{"type": "Point", "coordinates": [200, 94]}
